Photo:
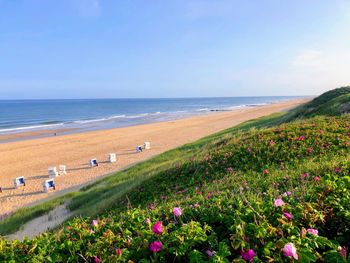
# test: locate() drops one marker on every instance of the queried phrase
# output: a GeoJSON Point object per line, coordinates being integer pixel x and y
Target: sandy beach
{"type": "Point", "coordinates": [31, 158]}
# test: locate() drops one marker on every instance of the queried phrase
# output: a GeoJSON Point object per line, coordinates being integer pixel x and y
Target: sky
{"type": "Point", "coordinates": [179, 48]}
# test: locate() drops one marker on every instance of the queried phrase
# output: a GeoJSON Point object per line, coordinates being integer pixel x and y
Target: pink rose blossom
{"type": "Point", "coordinates": [278, 202]}
{"type": "Point", "coordinates": [248, 255]}
{"type": "Point", "coordinates": [177, 211]}
{"type": "Point", "coordinates": [119, 252]}
{"type": "Point", "coordinates": [287, 193]}
{"type": "Point", "coordinates": [289, 250]}
{"type": "Point", "coordinates": [305, 175]}
{"type": "Point", "coordinates": [312, 231]}
{"type": "Point", "coordinates": [288, 216]}
{"type": "Point", "coordinates": [317, 178]}
{"type": "Point", "coordinates": [266, 171]}
{"type": "Point", "coordinates": [309, 150]}
{"type": "Point", "coordinates": [148, 221]}
{"type": "Point", "coordinates": [209, 253]}
{"type": "Point", "coordinates": [157, 228]}
{"type": "Point", "coordinates": [155, 246]}
{"type": "Point", "coordinates": [96, 259]}
{"type": "Point", "coordinates": [343, 251]}
{"type": "Point", "coordinates": [95, 223]}
{"type": "Point", "coordinates": [301, 138]}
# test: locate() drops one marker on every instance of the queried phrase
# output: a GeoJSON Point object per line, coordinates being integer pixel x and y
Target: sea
{"type": "Point", "coordinates": [94, 114]}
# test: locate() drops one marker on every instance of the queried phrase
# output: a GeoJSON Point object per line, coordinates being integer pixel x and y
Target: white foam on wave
{"type": "Point", "coordinates": [34, 127]}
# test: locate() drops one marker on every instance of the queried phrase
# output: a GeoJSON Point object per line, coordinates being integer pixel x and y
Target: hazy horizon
{"type": "Point", "coordinates": [96, 49]}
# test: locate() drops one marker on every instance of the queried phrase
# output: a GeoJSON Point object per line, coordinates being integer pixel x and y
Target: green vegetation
{"type": "Point", "coordinates": [257, 192]}
{"type": "Point", "coordinates": [100, 195]}
{"type": "Point", "coordinates": [11, 224]}
{"type": "Point", "coordinates": [332, 103]}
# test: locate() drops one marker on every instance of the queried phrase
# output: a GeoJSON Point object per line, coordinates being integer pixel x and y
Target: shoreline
{"type": "Point", "coordinates": [107, 124]}
{"type": "Point", "coordinates": [31, 158]}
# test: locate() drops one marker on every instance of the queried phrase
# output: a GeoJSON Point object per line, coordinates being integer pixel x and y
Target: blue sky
{"type": "Point", "coordinates": [179, 48]}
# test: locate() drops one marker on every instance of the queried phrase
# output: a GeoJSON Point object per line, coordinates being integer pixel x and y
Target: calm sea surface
{"type": "Point", "coordinates": [30, 115]}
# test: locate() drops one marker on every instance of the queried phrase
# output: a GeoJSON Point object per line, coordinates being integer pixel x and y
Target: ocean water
{"type": "Point", "coordinates": [91, 114]}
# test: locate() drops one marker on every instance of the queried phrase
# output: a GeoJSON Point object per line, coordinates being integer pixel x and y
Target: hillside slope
{"type": "Point", "coordinates": [332, 103]}
{"type": "Point", "coordinates": [250, 194]}
{"type": "Point", "coordinates": [258, 192]}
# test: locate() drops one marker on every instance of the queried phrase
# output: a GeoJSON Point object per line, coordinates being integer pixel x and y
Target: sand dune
{"type": "Point", "coordinates": [31, 158]}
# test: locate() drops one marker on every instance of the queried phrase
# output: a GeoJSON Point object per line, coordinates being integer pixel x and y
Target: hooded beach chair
{"type": "Point", "coordinates": [112, 157]}
{"type": "Point", "coordinates": [19, 181]}
{"type": "Point", "coordinates": [147, 145]}
{"type": "Point", "coordinates": [52, 171]}
{"type": "Point", "coordinates": [139, 149]}
{"type": "Point", "coordinates": [93, 163]}
{"type": "Point", "coordinates": [49, 185]}
{"type": "Point", "coordinates": [62, 169]}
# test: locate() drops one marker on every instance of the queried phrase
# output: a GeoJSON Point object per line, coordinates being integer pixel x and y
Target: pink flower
{"type": "Point", "coordinates": [287, 193]}
{"type": "Point", "coordinates": [309, 150]}
{"type": "Point", "coordinates": [301, 138]}
{"type": "Point", "coordinates": [177, 211]}
{"type": "Point", "coordinates": [248, 255]}
{"type": "Point", "coordinates": [96, 259]}
{"type": "Point", "coordinates": [337, 170]}
{"type": "Point", "coordinates": [288, 216]}
{"type": "Point", "coordinates": [95, 223]}
{"type": "Point", "coordinates": [119, 252]}
{"type": "Point", "coordinates": [148, 221]}
{"type": "Point", "coordinates": [305, 175]}
{"type": "Point", "coordinates": [312, 231]}
{"type": "Point", "coordinates": [289, 250]}
{"type": "Point", "coordinates": [209, 253]}
{"type": "Point", "coordinates": [155, 246]}
{"type": "Point", "coordinates": [343, 251]}
{"type": "Point", "coordinates": [209, 195]}
{"type": "Point", "coordinates": [266, 171]}
{"type": "Point", "coordinates": [230, 169]}
{"type": "Point", "coordinates": [317, 178]}
{"type": "Point", "coordinates": [278, 202]}
{"type": "Point", "coordinates": [157, 228]}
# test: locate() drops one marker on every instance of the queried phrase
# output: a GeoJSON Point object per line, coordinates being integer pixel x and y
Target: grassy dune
{"type": "Point", "coordinates": [258, 192]}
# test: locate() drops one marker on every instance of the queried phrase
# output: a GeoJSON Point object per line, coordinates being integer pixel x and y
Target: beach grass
{"type": "Point", "coordinates": [236, 191]}
{"type": "Point", "coordinates": [265, 190]}
{"type": "Point", "coordinates": [102, 194]}
{"type": "Point", "coordinates": [14, 222]}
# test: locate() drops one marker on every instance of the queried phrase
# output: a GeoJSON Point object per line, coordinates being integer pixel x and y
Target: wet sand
{"type": "Point", "coordinates": [31, 158]}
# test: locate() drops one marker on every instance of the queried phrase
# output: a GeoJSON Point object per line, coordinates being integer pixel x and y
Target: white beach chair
{"type": "Point", "coordinates": [93, 163]}
{"type": "Point", "coordinates": [49, 185]}
{"type": "Point", "coordinates": [112, 157]}
{"type": "Point", "coordinates": [62, 169]}
{"type": "Point", "coordinates": [19, 181]}
{"type": "Point", "coordinates": [52, 171]}
{"type": "Point", "coordinates": [147, 145]}
{"type": "Point", "coordinates": [139, 149]}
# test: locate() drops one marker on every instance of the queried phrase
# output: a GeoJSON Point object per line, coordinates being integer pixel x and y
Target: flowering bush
{"type": "Point", "coordinates": [258, 196]}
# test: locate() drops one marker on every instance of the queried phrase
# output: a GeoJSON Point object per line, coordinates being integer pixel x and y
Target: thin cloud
{"type": "Point", "coordinates": [89, 8]}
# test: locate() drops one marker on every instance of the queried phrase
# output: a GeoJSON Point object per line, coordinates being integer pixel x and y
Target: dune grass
{"type": "Point", "coordinates": [13, 223]}
{"type": "Point", "coordinates": [102, 194]}
{"type": "Point", "coordinates": [227, 186]}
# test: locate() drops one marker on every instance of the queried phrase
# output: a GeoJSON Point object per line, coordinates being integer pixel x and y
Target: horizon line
{"type": "Point", "coordinates": [150, 98]}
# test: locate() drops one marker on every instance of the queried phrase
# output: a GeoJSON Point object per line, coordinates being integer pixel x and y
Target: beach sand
{"type": "Point", "coordinates": [31, 158]}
